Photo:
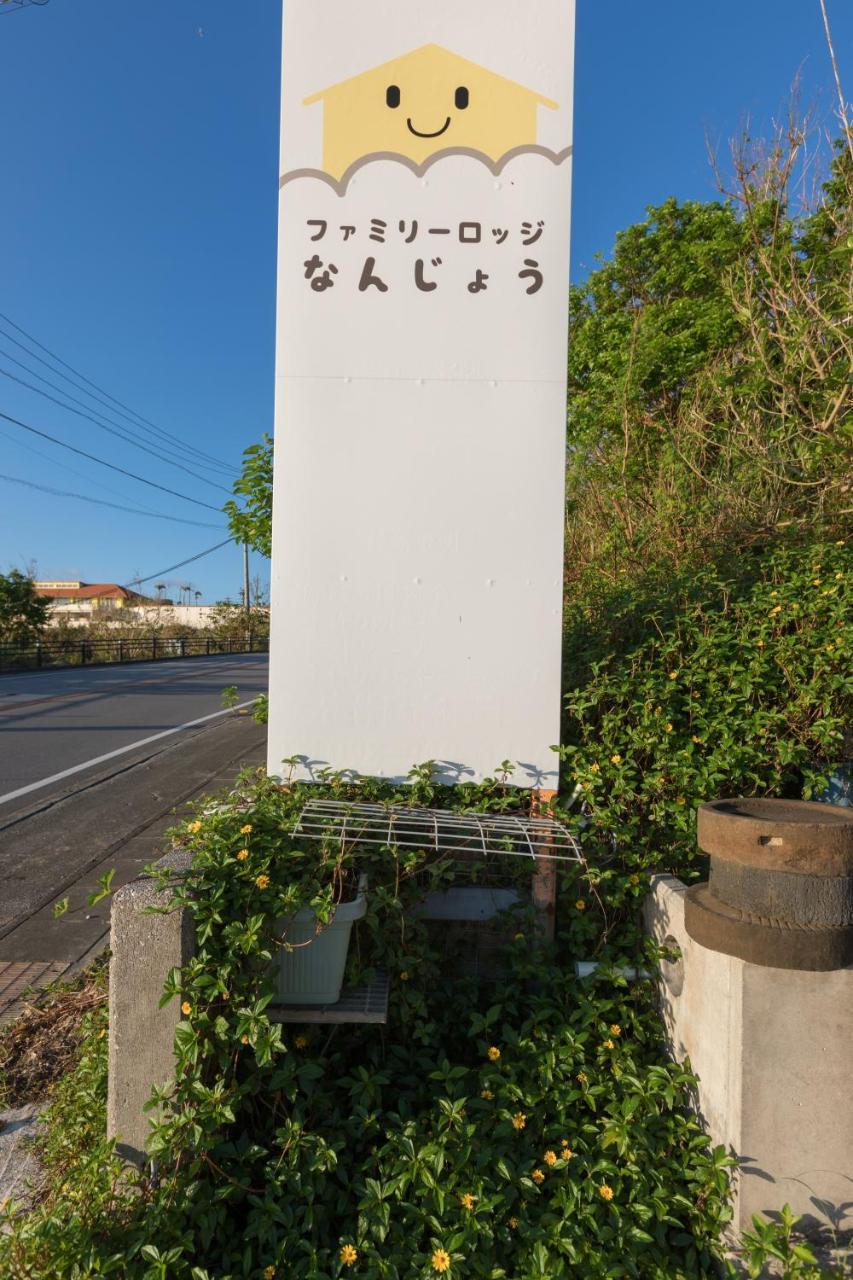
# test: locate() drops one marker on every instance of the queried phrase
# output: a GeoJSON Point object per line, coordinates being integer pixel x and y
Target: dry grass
{"type": "Point", "coordinates": [41, 1045]}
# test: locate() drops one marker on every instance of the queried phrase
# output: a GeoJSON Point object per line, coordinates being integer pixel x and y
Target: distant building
{"type": "Point", "coordinates": [87, 601]}
{"type": "Point", "coordinates": [82, 602]}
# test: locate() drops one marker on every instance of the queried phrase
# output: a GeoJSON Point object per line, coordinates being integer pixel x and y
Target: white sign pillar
{"type": "Point", "coordinates": [421, 386]}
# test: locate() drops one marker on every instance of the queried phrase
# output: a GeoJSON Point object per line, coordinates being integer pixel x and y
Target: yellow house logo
{"type": "Point", "coordinates": [427, 101]}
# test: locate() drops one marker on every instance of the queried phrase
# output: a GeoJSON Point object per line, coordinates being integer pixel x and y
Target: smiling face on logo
{"type": "Point", "coordinates": [426, 101]}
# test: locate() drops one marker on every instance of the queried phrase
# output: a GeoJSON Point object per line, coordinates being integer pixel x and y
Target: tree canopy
{"type": "Point", "coordinates": [709, 396]}
{"type": "Point", "coordinates": [250, 520]}
{"type": "Point", "coordinates": [23, 613]}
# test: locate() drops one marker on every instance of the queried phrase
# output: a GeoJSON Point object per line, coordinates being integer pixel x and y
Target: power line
{"type": "Point", "coordinates": [115, 430]}
{"type": "Point", "coordinates": [189, 453]}
{"type": "Point", "coordinates": [101, 502]}
{"type": "Point", "coordinates": [66, 469]}
{"type": "Point", "coordinates": [167, 435]}
{"type": "Point", "coordinates": [12, 6]}
{"type": "Point", "coordinates": [111, 465]}
{"type": "Point", "coordinates": [161, 573]}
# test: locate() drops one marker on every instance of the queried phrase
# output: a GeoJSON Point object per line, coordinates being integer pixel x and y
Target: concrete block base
{"type": "Point", "coordinates": [772, 1050]}
{"type": "Point", "coordinates": [144, 949]}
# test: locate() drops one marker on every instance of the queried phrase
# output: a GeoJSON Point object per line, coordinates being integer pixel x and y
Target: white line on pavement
{"type": "Point", "coordinates": [111, 755]}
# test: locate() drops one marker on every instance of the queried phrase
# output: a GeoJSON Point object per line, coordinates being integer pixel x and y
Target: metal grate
{"type": "Point", "coordinates": [359, 1004]}
{"type": "Point", "coordinates": [487, 834]}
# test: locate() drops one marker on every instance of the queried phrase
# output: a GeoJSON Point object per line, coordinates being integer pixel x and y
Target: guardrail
{"type": "Point", "coordinates": [71, 652]}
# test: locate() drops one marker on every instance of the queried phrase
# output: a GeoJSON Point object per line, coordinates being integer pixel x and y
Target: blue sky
{"type": "Point", "coordinates": [138, 172]}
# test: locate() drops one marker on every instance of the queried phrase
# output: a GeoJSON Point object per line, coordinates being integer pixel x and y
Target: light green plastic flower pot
{"type": "Point", "coordinates": [314, 973]}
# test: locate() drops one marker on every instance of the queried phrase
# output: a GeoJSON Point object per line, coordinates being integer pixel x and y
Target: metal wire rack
{"type": "Point", "coordinates": [397, 827]}
{"type": "Point", "coordinates": [357, 1004]}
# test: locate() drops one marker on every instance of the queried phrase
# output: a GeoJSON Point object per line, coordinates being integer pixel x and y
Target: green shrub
{"type": "Point", "coordinates": [530, 1127]}
{"type": "Point", "coordinates": [724, 686]}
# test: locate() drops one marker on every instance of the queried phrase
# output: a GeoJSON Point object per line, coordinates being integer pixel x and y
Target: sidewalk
{"type": "Point", "coordinates": [117, 821]}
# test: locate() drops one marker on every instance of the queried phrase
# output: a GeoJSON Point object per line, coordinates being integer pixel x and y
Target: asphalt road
{"type": "Point", "coordinates": [55, 726]}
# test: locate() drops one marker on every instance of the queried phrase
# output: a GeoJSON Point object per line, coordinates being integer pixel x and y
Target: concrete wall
{"type": "Point", "coordinates": [182, 615]}
{"type": "Point", "coordinates": [772, 1049]}
{"type": "Point", "coordinates": [144, 949]}
{"type": "Point", "coordinates": [194, 616]}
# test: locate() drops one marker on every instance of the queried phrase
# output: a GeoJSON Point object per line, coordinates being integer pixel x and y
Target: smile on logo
{"type": "Point", "coordinates": [437, 133]}
{"type": "Point", "coordinates": [393, 97]}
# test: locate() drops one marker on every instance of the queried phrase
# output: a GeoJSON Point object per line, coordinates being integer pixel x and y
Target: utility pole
{"type": "Point", "coordinates": [246, 601]}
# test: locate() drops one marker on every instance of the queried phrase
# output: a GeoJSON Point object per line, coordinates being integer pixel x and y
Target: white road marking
{"type": "Point", "coordinates": [125, 682]}
{"type": "Point", "coordinates": [111, 755]}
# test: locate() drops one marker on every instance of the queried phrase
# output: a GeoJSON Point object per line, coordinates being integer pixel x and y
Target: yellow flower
{"type": "Point", "coordinates": [242, 855]}
{"type": "Point", "coordinates": [566, 1152]}
{"type": "Point", "coordinates": [673, 675]}
{"type": "Point", "coordinates": [668, 726]}
{"type": "Point", "coordinates": [513, 1222]}
{"type": "Point", "coordinates": [262, 882]}
{"type": "Point", "coordinates": [348, 1254]}
{"type": "Point", "coordinates": [681, 800]}
{"type": "Point", "coordinates": [617, 759]}
{"type": "Point", "coordinates": [838, 577]}
{"type": "Point", "coordinates": [595, 768]}
{"type": "Point", "coordinates": [269, 1273]}
{"type": "Point", "coordinates": [608, 1044]}
{"type": "Point", "coordinates": [244, 1039]}
{"type": "Point", "coordinates": [487, 1094]}
{"type": "Point", "coordinates": [580, 905]}
{"type": "Point", "coordinates": [817, 582]}
{"type": "Point", "coordinates": [550, 1157]}
{"type": "Point", "coordinates": [634, 879]}
{"type": "Point", "coordinates": [404, 976]}
{"type": "Point", "coordinates": [773, 594]}
{"type": "Point", "coordinates": [777, 609]}
{"type": "Point", "coordinates": [581, 1077]}
{"type": "Point", "coordinates": [538, 1176]}
{"type": "Point", "coordinates": [186, 1008]}
{"type": "Point", "coordinates": [519, 1120]}
{"type": "Point", "coordinates": [494, 1053]}
{"type": "Point", "coordinates": [605, 1192]}
{"type": "Point", "coordinates": [194, 828]}
{"type": "Point", "coordinates": [759, 644]}
{"type": "Point", "coordinates": [615, 1029]}
{"type": "Point", "coordinates": [467, 1200]}
{"type": "Point", "coordinates": [840, 542]}
{"type": "Point", "coordinates": [244, 831]}
{"type": "Point", "coordinates": [301, 1042]}
{"type": "Point", "coordinates": [696, 737]}
{"type": "Point", "coordinates": [440, 1260]}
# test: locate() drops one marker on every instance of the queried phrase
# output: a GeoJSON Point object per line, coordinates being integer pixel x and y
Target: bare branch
{"type": "Point", "coordinates": [842, 102]}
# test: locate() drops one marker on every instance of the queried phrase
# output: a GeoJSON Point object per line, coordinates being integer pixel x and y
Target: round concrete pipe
{"type": "Point", "coordinates": [780, 891]}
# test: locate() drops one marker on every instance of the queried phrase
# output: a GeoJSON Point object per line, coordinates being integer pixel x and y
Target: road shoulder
{"type": "Point", "coordinates": [62, 848]}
